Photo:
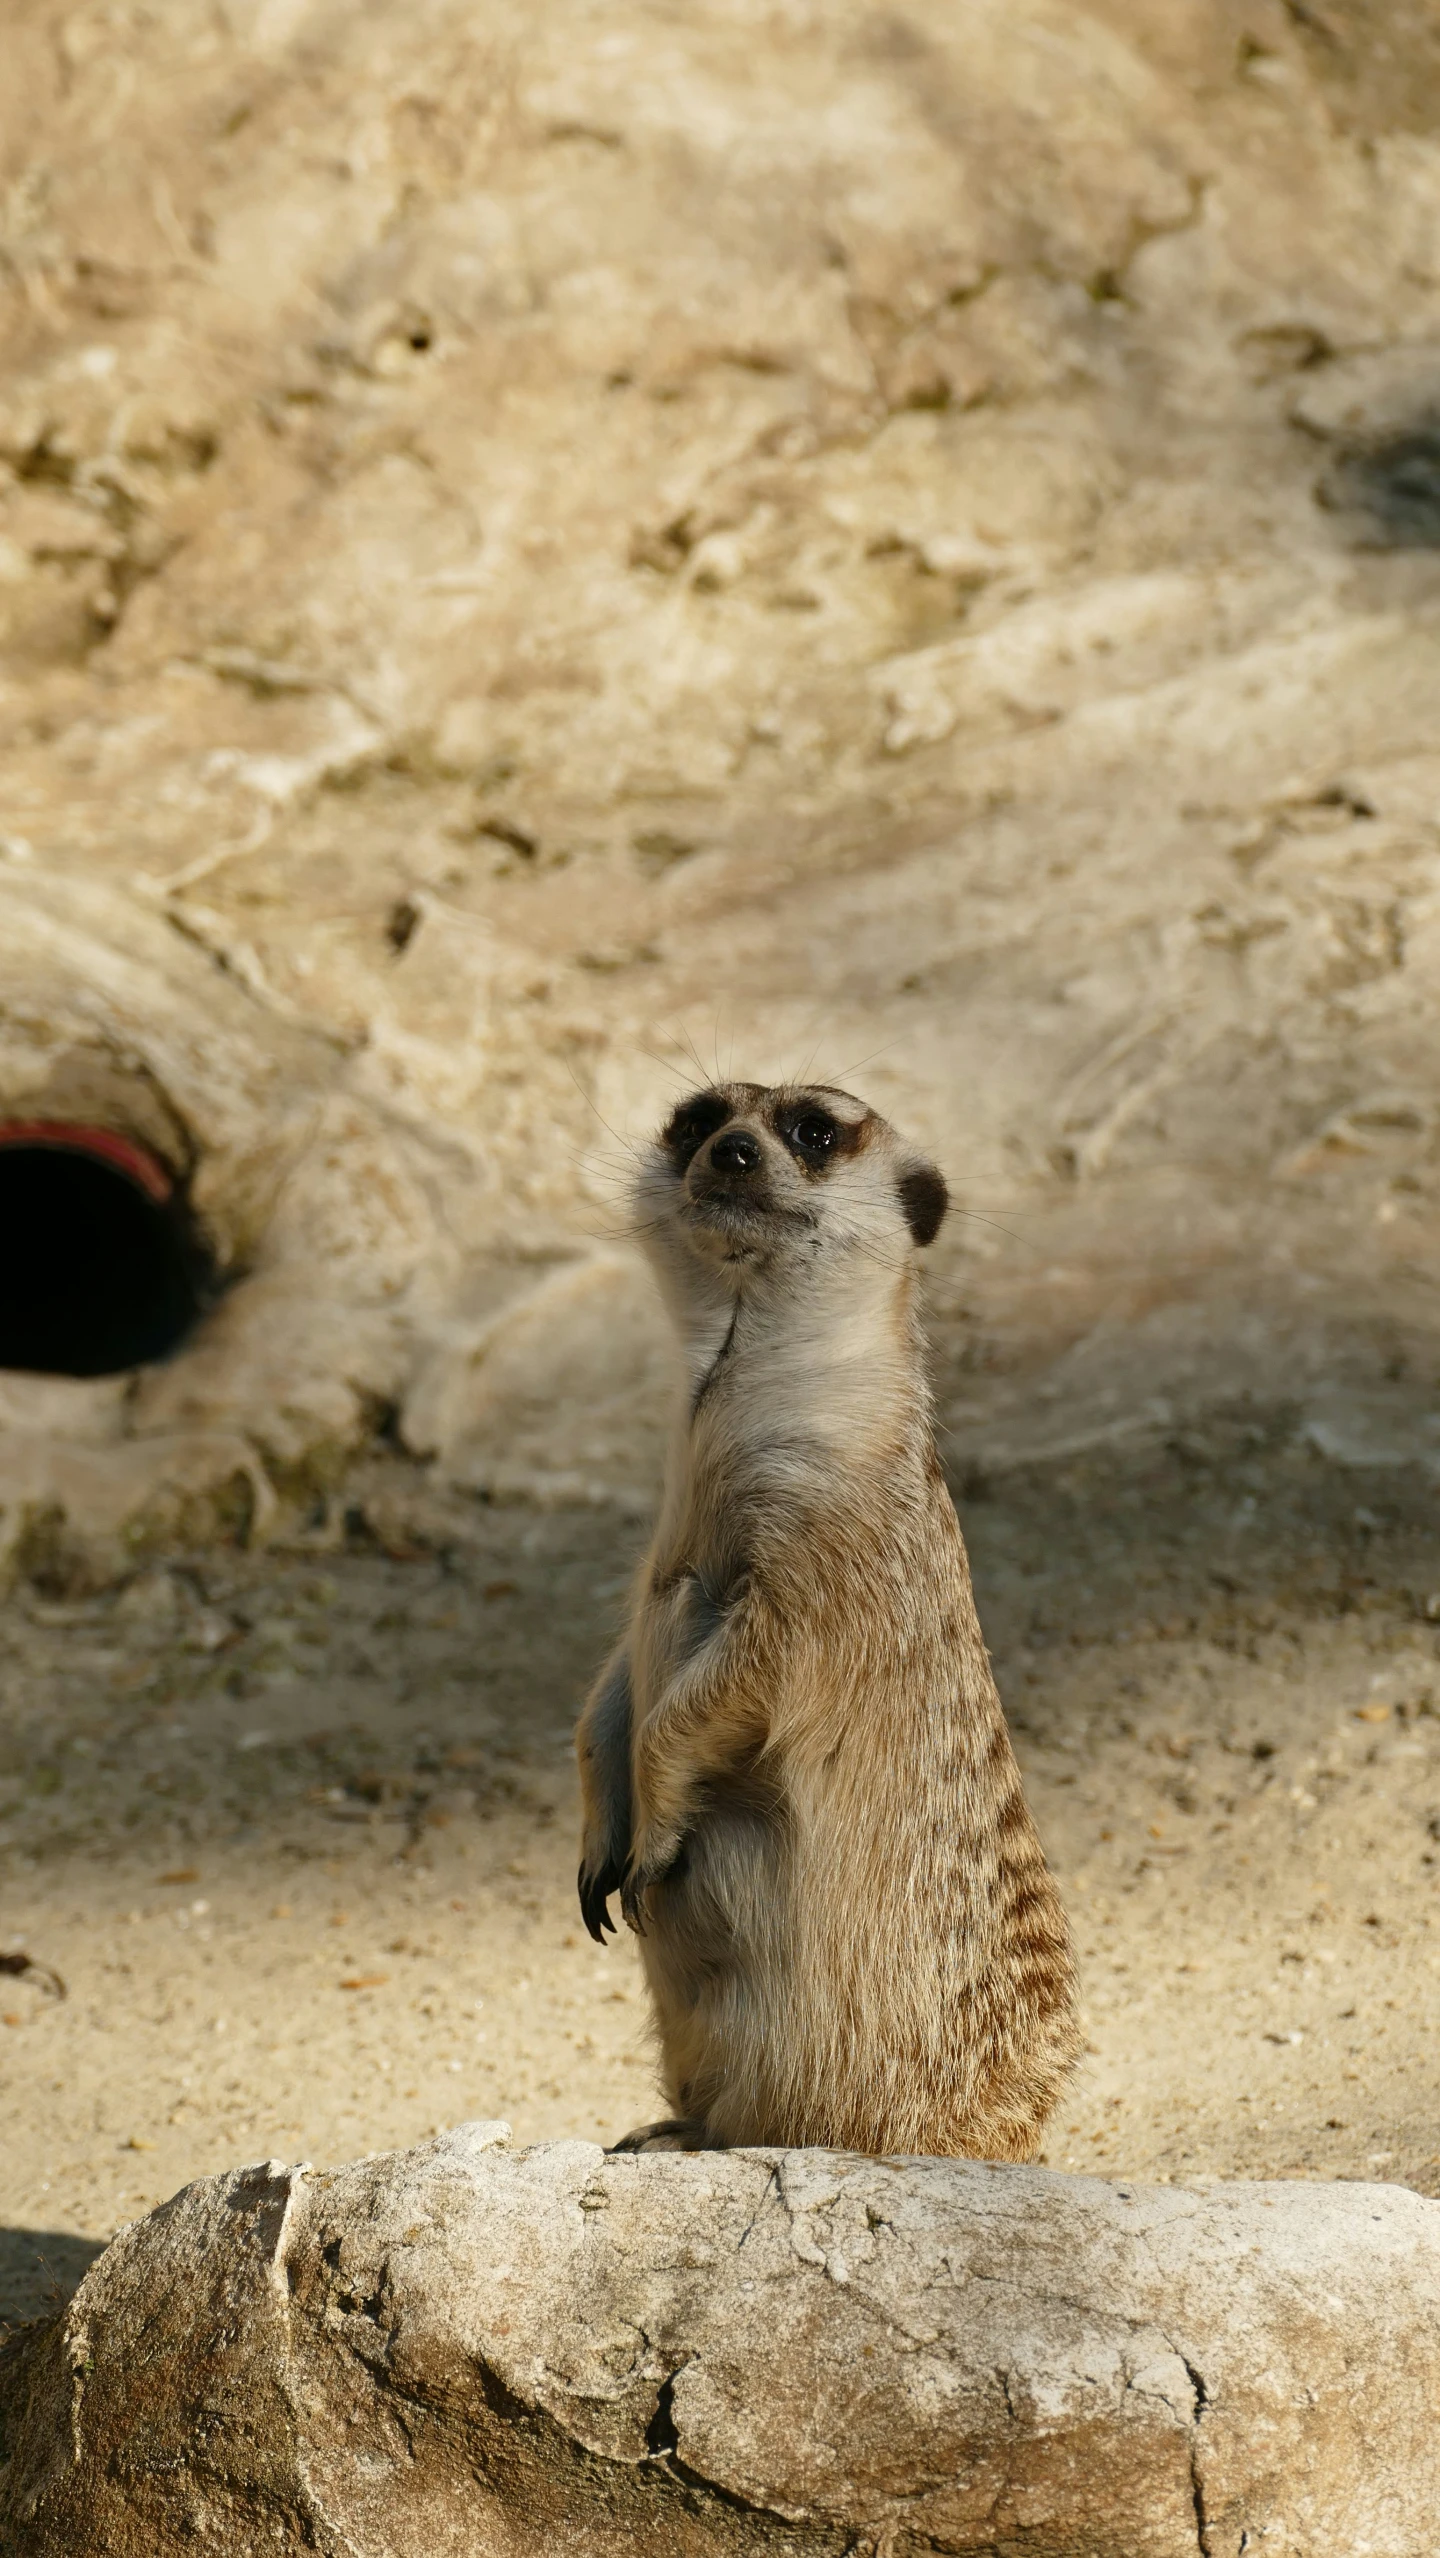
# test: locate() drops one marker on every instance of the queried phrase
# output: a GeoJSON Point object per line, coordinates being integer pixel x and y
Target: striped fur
{"type": "Point", "coordinates": [795, 1767]}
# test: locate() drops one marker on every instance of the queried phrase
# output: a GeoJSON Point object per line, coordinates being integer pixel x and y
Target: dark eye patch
{"type": "Point", "coordinates": [816, 1136]}
{"type": "Point", "coordinates": [691, 1124]}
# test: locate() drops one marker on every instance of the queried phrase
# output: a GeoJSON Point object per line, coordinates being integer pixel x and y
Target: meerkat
{"type": "Point", "coordinates": [795, 1768]}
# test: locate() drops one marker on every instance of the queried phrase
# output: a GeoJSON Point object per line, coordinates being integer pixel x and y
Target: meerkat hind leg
{"type": "Point", "coordinates": [676, 2133]}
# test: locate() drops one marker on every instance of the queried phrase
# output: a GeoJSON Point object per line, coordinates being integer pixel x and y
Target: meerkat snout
{"type": "Point", "coordinates": [735, 1152]}
{"type": "Point", "coordinates": [796, 1770]}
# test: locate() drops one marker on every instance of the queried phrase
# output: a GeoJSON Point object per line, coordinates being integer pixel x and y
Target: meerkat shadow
{"type": "Point", "coordinates": [40, 2269]}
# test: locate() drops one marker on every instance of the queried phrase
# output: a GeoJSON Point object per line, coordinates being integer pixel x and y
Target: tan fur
{"type": "Point", "coordinates": [795, 1766]}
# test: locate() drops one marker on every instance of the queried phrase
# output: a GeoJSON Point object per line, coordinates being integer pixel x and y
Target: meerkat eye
{"type": "Point", "coordinates": [691, 1124]}
{"type": "Point", "coordinates": [812, 1135]}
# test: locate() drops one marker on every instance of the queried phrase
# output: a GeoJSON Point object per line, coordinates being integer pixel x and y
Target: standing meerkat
{"type": "Point", "coordinates": [795, 1767]}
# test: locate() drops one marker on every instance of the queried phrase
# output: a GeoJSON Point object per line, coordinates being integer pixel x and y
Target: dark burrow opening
{"type": "Point", "coordinates": [101, 1263]}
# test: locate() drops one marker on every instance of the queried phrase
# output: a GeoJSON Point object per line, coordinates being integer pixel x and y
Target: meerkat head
{"type": "Point", "coordinates": [748, 1181]}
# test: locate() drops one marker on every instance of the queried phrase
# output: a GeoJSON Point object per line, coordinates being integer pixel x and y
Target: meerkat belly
{"type": "Point", "coordinates": [825, 1966]}
{"type": "Point", "coordinates": [718, 1906]}
{"type": "Point", "coordinates": [714, 1953]}
{"type": "Point", "coordinates": [751, 1978]}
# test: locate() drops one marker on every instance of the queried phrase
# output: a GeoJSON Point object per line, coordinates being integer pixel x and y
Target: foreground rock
{"type": "Point", "coordinates": [451, 2349]}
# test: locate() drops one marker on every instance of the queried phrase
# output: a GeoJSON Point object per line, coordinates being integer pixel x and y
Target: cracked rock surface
{"type": "Point", "coordinates": [452, 2348]}
{"type": "Point", "coordinates": [544, 547]}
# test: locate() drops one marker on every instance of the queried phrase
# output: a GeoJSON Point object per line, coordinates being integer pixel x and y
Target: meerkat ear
{"type": "Point", "coordinates": [924, 1199]}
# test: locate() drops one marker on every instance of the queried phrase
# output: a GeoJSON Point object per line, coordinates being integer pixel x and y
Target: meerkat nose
{"type": "Point", "coordinates": [734, 1151]}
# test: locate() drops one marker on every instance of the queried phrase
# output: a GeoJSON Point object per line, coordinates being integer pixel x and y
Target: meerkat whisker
{"type": "Point", "coordinates": [976, 1219]}
{"type": "Point", "coordinates": [627, 1145]}
{"type": "Point", "coordinates": [885, 1050]}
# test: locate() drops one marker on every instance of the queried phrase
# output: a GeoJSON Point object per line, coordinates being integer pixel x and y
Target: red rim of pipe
{"type": "Point", "coordinates": [100, 1144]}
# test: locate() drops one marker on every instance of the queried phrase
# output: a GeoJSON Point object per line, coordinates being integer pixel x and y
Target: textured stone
{"type": "Point", "coordinates": [544, 550]}
{"type": "Point", "coordinates": [455, 2349]}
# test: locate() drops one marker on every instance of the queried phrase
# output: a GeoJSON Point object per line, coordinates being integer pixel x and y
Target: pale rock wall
{"type": "Point", "coordinates": [535, 541]}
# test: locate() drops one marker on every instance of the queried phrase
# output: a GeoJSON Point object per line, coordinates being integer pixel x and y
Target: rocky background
{"type": "Point", "coordinates": [541, 548]}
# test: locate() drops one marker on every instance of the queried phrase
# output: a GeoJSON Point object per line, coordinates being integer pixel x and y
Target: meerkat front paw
{"type": "Point", "coordinates": [596, 1883]}
{"type": "Point", "coordinates": [632, 1899]}
{"type": "Point", "coordinates": [656, 1856]}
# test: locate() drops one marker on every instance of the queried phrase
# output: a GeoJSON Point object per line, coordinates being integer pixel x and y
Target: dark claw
{"type": "Point", "coordinates": [632, 1900]}
{"type": "Point", "coordinates": [595, 1891]}
{"type": "Point", "coordinates": [639, 1879]}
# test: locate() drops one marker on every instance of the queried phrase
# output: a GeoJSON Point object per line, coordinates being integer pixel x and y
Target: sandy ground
{"type": "Point", "coordinates": [296, 1833]}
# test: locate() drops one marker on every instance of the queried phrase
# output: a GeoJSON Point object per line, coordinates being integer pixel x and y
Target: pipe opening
{"type": "Point", "coordinates": [101, 1265]}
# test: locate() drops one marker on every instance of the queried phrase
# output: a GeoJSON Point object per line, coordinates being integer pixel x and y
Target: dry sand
{"type": "Point", "coordinates": [297, 1833]}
